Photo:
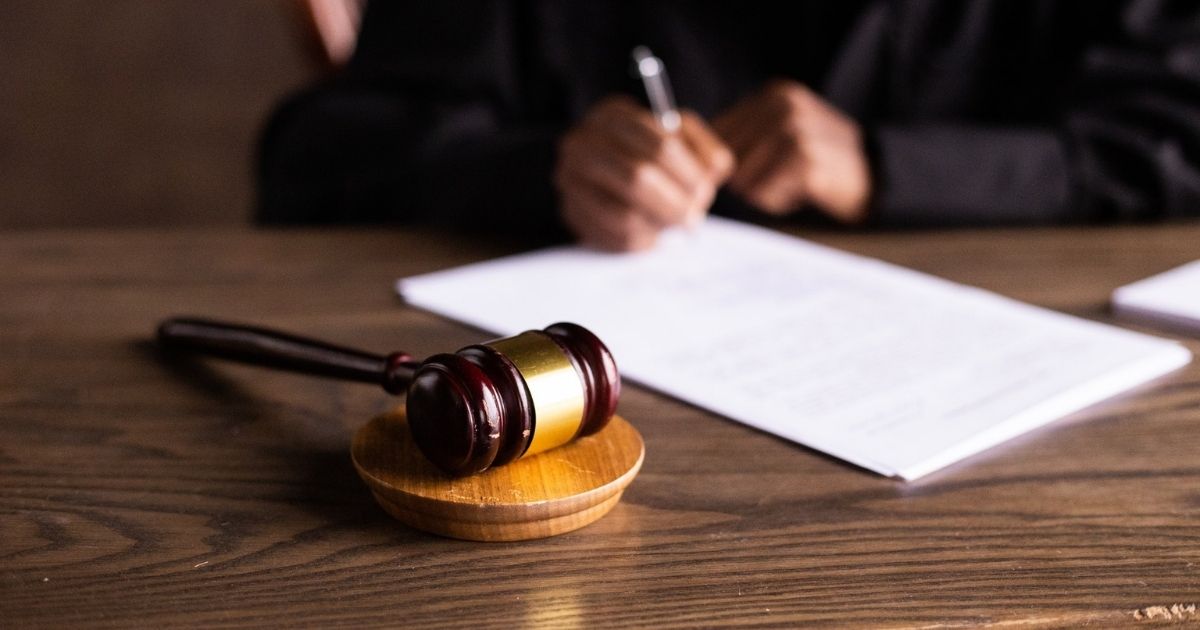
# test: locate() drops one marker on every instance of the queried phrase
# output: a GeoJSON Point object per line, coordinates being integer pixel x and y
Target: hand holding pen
{"type": "Point", "coordinates": [626, 173]}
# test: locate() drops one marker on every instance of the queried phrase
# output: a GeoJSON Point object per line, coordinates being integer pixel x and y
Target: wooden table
{"type": "Point", "coordinates": [140, 492]}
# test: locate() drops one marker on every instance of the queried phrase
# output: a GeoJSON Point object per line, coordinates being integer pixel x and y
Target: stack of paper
{"type": "Point", "coordinates": [888, 368]}
{"type": "Point", "coordinates": [1171, 298]}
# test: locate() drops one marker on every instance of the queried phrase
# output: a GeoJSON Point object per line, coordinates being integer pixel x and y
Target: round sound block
{"type": "Point", "coordinates": [543, 495]}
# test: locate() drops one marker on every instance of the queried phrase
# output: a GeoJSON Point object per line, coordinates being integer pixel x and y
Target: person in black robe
{"type": "Point", "coordinates": [520, 116]}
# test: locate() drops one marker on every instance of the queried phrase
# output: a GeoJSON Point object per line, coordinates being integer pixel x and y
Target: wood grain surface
{"type": "Point", "coordinates": [141, 492]}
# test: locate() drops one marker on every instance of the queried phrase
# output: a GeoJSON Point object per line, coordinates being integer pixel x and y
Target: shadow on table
{"type": "Point", "coordinates": [325, 483]}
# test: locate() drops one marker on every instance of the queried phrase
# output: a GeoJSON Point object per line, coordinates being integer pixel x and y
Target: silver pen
{"type": "Point", "coordinates": [658, 88]}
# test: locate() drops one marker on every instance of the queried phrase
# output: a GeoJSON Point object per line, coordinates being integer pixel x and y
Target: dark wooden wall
{"type": "Point", "coordinates": [138, 112]}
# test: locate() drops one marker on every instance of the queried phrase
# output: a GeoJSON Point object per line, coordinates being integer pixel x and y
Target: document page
{"type": "Point", "coordinates": [890, 369]}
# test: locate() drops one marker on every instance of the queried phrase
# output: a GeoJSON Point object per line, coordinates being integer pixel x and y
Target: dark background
{"type": "Point", "coordinates": [139, 112]}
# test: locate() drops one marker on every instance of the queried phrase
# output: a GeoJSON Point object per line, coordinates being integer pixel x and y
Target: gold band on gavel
{"type": "Point", "coordinates": [554, 385]}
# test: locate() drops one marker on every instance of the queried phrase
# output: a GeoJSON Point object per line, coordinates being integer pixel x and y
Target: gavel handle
{"type": "Point", "coordinates": [274, 349]}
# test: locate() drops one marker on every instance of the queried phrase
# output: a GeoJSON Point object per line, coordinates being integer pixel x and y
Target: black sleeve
{"type": "Point", "coordinates": [1126, 145]}
{"type": "Point", "coordinates": [426, 125]}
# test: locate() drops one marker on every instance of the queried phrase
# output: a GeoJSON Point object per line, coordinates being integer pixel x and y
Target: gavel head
{"type": "Point", "coordinates": [492, 403]}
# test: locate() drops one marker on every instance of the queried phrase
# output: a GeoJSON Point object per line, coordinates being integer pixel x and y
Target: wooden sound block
{"type": "Point", "coordinates": [538, 496]}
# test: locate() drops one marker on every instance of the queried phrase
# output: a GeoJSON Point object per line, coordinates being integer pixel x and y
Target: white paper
{"type": "Point", "coordinates": [896, 371]}
{"type": "Point", "coordinates": [1171, 297]}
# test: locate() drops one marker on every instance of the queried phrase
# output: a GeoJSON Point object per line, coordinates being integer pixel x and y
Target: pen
{"type": "Point", "coordinates": [662, 104]}
{"type": "Point", "coordinates": [658, 88]}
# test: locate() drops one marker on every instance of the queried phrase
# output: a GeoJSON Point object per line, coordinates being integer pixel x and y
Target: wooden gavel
{"type": "Point", "coordinates": [483, 406]}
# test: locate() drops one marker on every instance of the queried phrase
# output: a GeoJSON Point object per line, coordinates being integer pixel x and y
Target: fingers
{"type": "Point", "coordinates": [761, 132]}
{"type": "Point", "coordinates": [622, 179]}
{"type": "Point", "coordinates": [779, 149]}
{"type": "Point", "coordinates": [770, 172]}
{"type": "Point", "coordinates": [642, 185]}
{"type": "Point", "coordinates": [743, 124]}
{"type": "Point", "coordinates": [601, 221]}
{"type": "Point", "coordinates": [758, 161]}
{"type": "Point", "coordinates": [634, 129]}
{"type": "Point", "coordinates": [647, 149]}
{"type": "Point", "coordinates": [792, 148]}
{"type": "Point", "coordinates": [714, 155]}
{"type": "Point", "coordinates": [772, 176]}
